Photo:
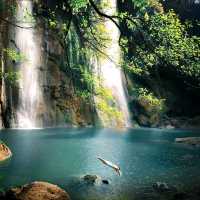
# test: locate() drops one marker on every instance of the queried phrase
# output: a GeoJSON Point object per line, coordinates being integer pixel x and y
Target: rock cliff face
{"type": "Point", "coordinates": [1, 67]}
{"type": "Point", "coordinates": [4, 29]}
{"type": "Point", "coordinates": [62, 106]}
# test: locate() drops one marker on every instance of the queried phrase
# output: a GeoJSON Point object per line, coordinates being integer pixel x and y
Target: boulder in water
{"type": "Point", "coordinates": [91, 178]}
{"type": "Point", "coordinates": [94, 179]}
{"type": "Point", "coordinates": [36, 191]}
{"type": "Point", "coordinates": [105, 181]}
{"type": "Point", "coordinates": [5, 152]}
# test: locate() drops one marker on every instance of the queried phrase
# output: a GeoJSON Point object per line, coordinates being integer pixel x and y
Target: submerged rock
{"type": "Point", "coordinates": [144, 113]}
{"type": "Point", "coordinates": [94, 179]}
{"type": "Point", "coordinates": [187, 157]}
{"type": "Point", "coordinates": [91, 178]}
{"type": "Point", "coordinates": [169, 126]}
{"type": "Point", "coordinates": [181, 196]}
{"type": "Point", "coordinates": [189, 140]}
{"type": "Point", "coordinates": [5, 152]}
{"type": "Point", "coordinates": [104, 181]}
{"type": "Point", "coordinates": [36, 191]}
{"type": "Point", "coordinates": [163, 187]}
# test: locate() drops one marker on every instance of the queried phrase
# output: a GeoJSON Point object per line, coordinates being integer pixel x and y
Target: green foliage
{"type": "Point", "coordinates": [105, 93]}
{"type": "Point", "coordinates": [76, 65]}
{"type": "Point", "coordinates": [165, 44]}
{"type": "Point", "coordinates": [154, 102]}
{"type": "Point", "coordinates": [11, 77]}
{"type": "Point", "coordinates": [14, 55]}
{"type": "Point", "coordinates": [141, 4]}
{"type": "Point", "coordinates": [149, 100]}
{"type": "Point", "coordinates": [108, 111]}
{"type": "Point", "coordinates": [28, 17]}
{"type": "Point", "coordinates": [105, 104]}
{"type": "Point", "coordinates": [85, 84]}
{"type": "Point", "coordinates": [84, 94]}
{"type": "Point", "coordinates": [52, 23]}
{"type": "Point", "coordinates": [156, 5]}
{"type": "Point", "coordinates": [78, 4]}
{"type": "Point", "coordinates": [7, 8]}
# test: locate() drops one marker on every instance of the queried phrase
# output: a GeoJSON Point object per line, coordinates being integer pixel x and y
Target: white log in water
{"type": "Point", "coordinates": [110, 70]}
{"type": "Point", "coordinates": [29, 87]}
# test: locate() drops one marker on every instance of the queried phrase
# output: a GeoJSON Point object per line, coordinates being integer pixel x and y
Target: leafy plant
{"type": "Point", "coordinates": [78, 4]}
{"type": "Point", "coordinates": [165, 45]}
{"type": "Point", "coordinates": [14, 55]}
{"type": "Point", "coordinates": [148, 100]}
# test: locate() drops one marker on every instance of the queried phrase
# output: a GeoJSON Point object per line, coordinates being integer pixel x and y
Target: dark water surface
{"type": "Point", "coordinates": [62, 156]}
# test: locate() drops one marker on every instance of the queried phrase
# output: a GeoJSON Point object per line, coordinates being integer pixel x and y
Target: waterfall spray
{"type": "Point", "coordinates": [29, 88]}
{"type": "Point", "coordinates": [110, 70]}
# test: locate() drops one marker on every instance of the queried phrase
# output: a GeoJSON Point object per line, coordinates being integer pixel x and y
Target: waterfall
{"type": "Point", "coordinates": [110, 70]}
{"type": "Point", "coordinates": [28, 67]}
{"type": "Point", "coordinates": [30, 102]}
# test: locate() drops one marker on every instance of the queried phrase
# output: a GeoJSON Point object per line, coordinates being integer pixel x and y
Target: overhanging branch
{"type": "Point", "coordinates": [113, 17]}
{"type": "Point", "coordinates": [105, 15]}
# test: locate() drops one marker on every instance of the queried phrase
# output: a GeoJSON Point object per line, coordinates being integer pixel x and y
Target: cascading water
{"type": "Point", "coordinates": [29, 87]}
{"type": "Point", "coordinates": [30, 96]}
{"type": "Point", "coordinates": [110, 70]}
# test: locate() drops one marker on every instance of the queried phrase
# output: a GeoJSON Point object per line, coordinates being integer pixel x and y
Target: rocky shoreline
{"type": "Point", "coordinates": [180, 123]}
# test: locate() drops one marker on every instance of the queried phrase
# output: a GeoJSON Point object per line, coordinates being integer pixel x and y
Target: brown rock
{"type": "Point", "coordinates": [37, 191]}
{"type": "Point", "coordinates": [5, 152]}
{"type": "Point", "coordinates": [143, 120]}
{"type": "Point", "coordinates": [145, 104]}
{"type": "Point", "coordinates": [90, 178]}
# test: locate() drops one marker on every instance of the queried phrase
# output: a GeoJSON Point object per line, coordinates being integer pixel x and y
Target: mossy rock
{"type": "Point", "coordinates": [145, 104]}
{"type": "Point", "coordinates": [154, 120]}
{"type": "Point", "coordinates": [143, 120]}
{"type": "Point", "coordinates": [147, 107]}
